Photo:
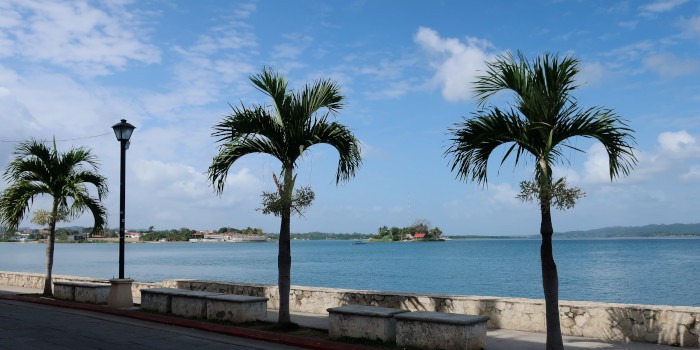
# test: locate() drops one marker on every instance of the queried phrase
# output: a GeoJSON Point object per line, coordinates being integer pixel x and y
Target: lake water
{"type": "Point", "coordinates": [636, 271]}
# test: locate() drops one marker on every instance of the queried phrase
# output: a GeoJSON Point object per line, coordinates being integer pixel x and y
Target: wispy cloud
{"type": "Point", "coordinates": [92, 40]}
{"type": "Point", "coordinates": [668, 65]}
{"type": "Point", "coordinates": [690, 26]}
{"type": "Point", "coordinates": [662, 6]}
{"type": "Point", "coordinates": [219, 57]}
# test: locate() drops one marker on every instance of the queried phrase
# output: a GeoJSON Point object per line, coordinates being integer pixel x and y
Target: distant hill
{"type": "Point", "coordinates": [672, 230]}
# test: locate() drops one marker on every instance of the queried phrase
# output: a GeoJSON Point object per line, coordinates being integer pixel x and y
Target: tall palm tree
{"type": "Point", "coordinates": [539, 124]}
{"type": "Point", "coordinates": [285, 130]}
{"type": "Point", "coordinates": [38, 171]}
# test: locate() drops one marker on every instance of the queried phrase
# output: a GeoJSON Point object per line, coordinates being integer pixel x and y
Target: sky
{"type": "Point", "coordinates": [70, 70]}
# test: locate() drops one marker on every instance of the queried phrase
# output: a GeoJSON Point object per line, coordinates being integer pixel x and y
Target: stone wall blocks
{"type": "Point", "coordinates": [650, 323]}
{"type": "Point", "coordinates": [638, 332]}
{"type": "Point", "coordinates": [580, 320]}
{"type": "Point", "coordinates": [638, 317]}
{"type": "Point", "coordinates": [567, 322]}
{"type": "Point", "coordinates": [652, 337]}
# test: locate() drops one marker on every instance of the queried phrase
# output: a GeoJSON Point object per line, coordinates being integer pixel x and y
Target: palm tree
{"type": "Point", "coordinates": [540, 124]}
{"type": "Point", "coordinates": [38, 170]}
{"type": "Point", "coordinates": [285, 131]}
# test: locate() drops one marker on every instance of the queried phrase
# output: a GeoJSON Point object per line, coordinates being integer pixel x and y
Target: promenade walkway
{"type": "Point", "coordinates": [54, 324]}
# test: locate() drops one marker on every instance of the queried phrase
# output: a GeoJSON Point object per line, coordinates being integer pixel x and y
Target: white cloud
{"type": "Point", "coordinates": [662, 6]}
{"type": "Point", "coordinates": [672, 159]}
{"type": "Point", "coordinates": [76, 35]}
{"type": "Point", "coordinates": [504, 194]}
{"type": "Point", "coordinates": [457, 63]}
{"type": "Point", "coordinates": [572, 177]}
{"type": "Point", "coordinates": [693, 174]}
{"type": "Point", "coordinates": [678, 144]}
{"type": "Point", "coordinates": [44, 105]}
{"type": "Point", "coordinates": [591, 74]}
{"type": "Point", "coordinates": [293, 48]}
{"type": "Point", "coordinates": [596, 165]}
{"type": "Point", "coordinates": [184, 184]}
{"type": "Point", "coordinates": [206, 69]}
{"type": "Point", "coordinates": [690, 26]}
{"type": "Point", "coordinates": [367, 150]}
{"type": "Point", "coordinates": [628, 24]}
{"type": "Point", "coordinates": [667, 65]}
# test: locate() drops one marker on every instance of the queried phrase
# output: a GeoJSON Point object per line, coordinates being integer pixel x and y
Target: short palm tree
{"type": "Point", "coordinates": [38, 170]}
{"type": "Point", "coordinates": [540, 124]}
{"type": "Point", "coordinates": [285, 130]}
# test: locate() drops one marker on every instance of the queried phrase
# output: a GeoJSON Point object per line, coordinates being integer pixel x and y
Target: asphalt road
{"type": "Point", "coordinates": [35, 326]}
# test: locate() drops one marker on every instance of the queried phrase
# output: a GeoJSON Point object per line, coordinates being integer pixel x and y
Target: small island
{"type": "Point", "coordinates": [420, 231]}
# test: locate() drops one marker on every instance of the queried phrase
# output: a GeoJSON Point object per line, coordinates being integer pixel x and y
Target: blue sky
{"type": "Point", "coordinates": [72, 69]}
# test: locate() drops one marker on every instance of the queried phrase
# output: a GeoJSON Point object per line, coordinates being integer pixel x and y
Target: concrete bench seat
{"type": "Point", "coordinates": [82, 292]}
{"type": "Point", "coordinates": [159, 299]}
{"type": "Point", "coordinates": [205, 305]}
{"type": "Point", "coordinates": [361, 321]}
{"type": "Point", "coordinates": [180, 302]}
{"type": "Point", "coordinates": [439, 330]}
{"type": "Point", "coordinates": [236, 308]}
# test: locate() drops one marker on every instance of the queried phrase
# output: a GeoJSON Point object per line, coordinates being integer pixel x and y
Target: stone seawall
{"type": "Point", "coordinates": [669, 325]}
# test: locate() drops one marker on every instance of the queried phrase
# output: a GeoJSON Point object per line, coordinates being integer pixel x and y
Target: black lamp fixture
{"type": "Point", "coordinates": [123, 131]}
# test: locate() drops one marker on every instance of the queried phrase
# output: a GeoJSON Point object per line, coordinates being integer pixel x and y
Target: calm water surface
{"type": "Point", "coordinates": [639, 271]}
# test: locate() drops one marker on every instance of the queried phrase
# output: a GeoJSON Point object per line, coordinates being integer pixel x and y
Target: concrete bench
{"type": "Point", "coordinates": [236, 308]}
{"type": "Point", "coordinates": [83, 292]}
{"type": "Point", "coordinates": [206, 305]}
{"type": "Point", "coordinates": [438, 330]}
{"type": "Point", "coordinates": [360, 321]}
{"type": "Point", "coordinates": [159, 299]}
{"type": "Point", "coordinates": [181, 302]}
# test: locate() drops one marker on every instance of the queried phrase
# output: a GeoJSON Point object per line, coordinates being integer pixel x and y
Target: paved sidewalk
{"type": "Point", "coordinates": [44, 326]}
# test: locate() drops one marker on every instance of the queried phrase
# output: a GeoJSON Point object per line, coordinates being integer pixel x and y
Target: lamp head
{"type": "Point", "coordinates": [123, 130]}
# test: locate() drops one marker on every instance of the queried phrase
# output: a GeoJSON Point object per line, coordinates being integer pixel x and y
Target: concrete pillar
{"type": "Point", "coordinates": [120, 293]}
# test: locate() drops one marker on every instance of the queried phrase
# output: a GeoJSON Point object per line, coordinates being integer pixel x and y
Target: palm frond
{"type": "Point", "coordinates": [610, 130]}
{"type": "Point", "coordinates": [37, 170]}
{"type": "Point", "coordinates": [541, 122]}
{"type": "Point", "coordinates": [272, 84]}
{"type": "Point", "coordinates": [341, 138]}
{"type": "Point", "coordinates": [474, 140]}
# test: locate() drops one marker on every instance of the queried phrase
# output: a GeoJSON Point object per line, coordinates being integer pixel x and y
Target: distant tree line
{"type": "Point", "coordinates": [62, 235]}
{"type": "Point", "coordinates": [173, 235]}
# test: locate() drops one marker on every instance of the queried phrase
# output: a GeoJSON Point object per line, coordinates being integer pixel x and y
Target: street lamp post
{"type": "Point", "coordinates": [120, 293]}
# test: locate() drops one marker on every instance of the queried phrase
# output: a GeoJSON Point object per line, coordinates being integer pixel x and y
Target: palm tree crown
{"type": "Point", "coordinates": [286, 129]}
{"type": "Point", "coordinates": [38, 170]}
{"type": "Point", "coordinates": [541, 122]}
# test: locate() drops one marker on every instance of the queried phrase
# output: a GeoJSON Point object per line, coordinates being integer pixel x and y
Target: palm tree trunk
{"type": "Point", "coordinates": [550, 282]}
{"type": "Point", "coordinates": [284, 257]}
{"type": "Point", "coordinates": [48, 281]}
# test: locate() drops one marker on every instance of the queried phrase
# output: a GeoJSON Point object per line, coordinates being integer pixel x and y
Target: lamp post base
{"type": "Point", "coordinates": [120, 293]}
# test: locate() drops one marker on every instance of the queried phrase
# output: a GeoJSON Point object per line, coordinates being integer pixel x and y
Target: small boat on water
{"type": "Point", "coordinates": [358, 241]}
